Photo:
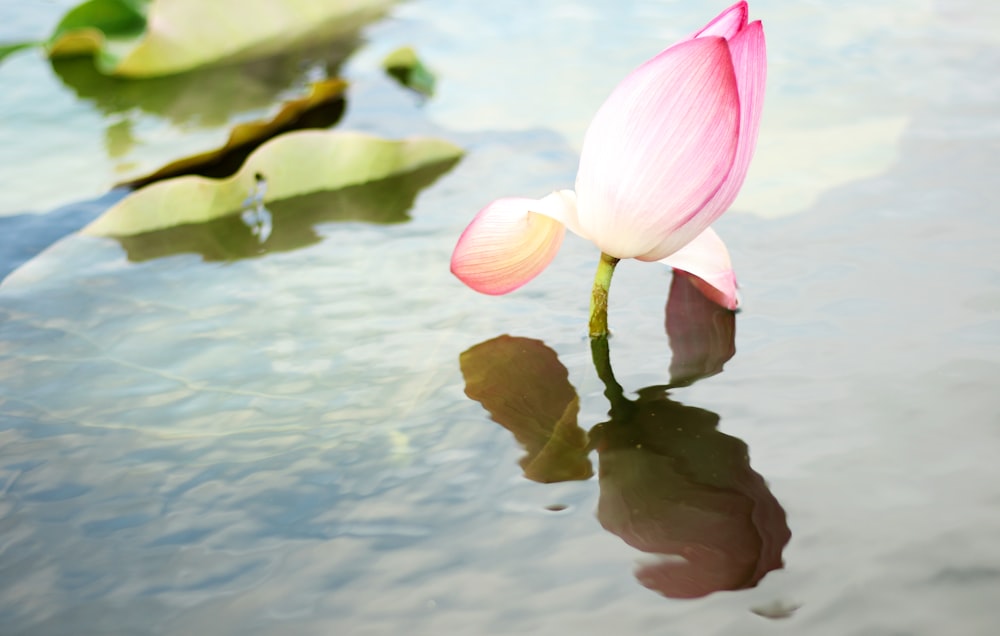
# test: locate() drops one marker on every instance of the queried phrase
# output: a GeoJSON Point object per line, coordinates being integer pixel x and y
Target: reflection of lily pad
{"type": "Point", "coordinates": [150, 38]}
{"type": "Point", "coordinates": [204, 97]}
{"type": "Point", "coordinates": [292, 221]}
{"type": "Point", "coordinates": [293, 164]}
{"type": "Point", "coordinates": [321, 108]}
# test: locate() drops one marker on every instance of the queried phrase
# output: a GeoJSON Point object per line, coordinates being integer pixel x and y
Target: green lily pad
{"type": "Point", "coordinates": [290, 165]}
{"type": "Point", "coordinates": [404, 65]}
{"type": "Point", "coordinates": [150, 38]}
{"type": "Point", "coordinates": [321, 108]}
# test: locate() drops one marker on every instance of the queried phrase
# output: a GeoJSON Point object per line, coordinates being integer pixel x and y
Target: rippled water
{"type": "Point", "coordinates": [283, 444]}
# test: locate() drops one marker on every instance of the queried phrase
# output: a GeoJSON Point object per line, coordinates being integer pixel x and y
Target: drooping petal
{"type": "Point", "coordinates": [750, 65]}
{"type": "Point", "coordinates": [561, 206]}
{"type": "Point", "coordinates": [706, 259]}
{"type": "Point", "coordinates": [659, 148]}
{"type": "Point", "coordinates": [728, 23]}
{"type": "Point", "coordinates": [510, 242]}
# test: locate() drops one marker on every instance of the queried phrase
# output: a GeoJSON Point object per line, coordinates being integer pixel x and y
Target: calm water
{"type": "Point", "coordinates": [283, 444]}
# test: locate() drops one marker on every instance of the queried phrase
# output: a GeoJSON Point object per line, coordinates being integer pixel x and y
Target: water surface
{"type": "Point", "coordinates": [281, 443]}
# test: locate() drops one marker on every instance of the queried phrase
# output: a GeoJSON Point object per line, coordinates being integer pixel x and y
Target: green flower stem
{"type": "Point", "coordinates": [599, 297]}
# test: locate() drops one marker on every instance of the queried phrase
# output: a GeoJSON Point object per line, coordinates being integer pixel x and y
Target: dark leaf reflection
{"type": "Point", "coordinates": [210, 96]}
{"type": "Point", "coordinates": [290, 223]}
{"type": "Point", "coordinates": [322, 107]}
{"type": "Point", "coordinates": [671, 484]}
{"type": "Point", "coordinates": [527, 391]}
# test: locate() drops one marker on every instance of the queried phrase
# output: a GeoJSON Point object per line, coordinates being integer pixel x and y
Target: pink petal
{"type": "Point", "coordinates": [706, 259]}
{"type": "Point", "coordinates": [728, 23]}
{"type": "Point", "coordinates": [750, 64]}
{"type": "Point", "coordinates": [510, 242]}
{"type": "Point", "coordinates": [659, 148]}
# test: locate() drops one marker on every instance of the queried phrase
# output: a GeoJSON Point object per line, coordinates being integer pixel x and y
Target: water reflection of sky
{"type": "Point", "coordinates": [282, 444]}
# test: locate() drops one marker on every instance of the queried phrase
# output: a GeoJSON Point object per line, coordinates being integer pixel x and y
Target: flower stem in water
{"type": "Point", "coordinates": [599, 297]}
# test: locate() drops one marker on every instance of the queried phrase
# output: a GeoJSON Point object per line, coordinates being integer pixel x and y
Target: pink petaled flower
{"type": "Point", "coordinates": [663, 158]}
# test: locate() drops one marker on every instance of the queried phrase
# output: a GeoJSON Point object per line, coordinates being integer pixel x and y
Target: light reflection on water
{"type": "Point", "coordinates": [282, 444]}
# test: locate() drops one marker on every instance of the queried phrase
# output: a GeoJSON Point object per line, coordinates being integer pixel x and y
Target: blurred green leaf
{"type": "Point", "coordinates": [150, 38]}
{"type": "Point", "coordinates": [404, 65]}
{"type": "Point", "coordinates": [112, 18]}
{"type": "Point", "coordinates": [291, 165]}
{"type": "Point", "coordinates": [321, 108]}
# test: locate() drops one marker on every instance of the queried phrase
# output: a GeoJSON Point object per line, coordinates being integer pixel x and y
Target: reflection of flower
{"type": "Point", "coordinates": [663, 158]}
{"type": "Point", "coordinates": [674, 486]}
{"type": "Point", "coordinates": [702, 334]}
{"type": "Point", "coordinates": [671, 484]}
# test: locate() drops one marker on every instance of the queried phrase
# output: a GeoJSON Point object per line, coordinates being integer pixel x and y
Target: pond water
{"type": "Point", "coordinates": [297, 439]}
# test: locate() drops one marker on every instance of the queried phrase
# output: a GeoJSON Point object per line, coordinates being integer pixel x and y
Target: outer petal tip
{"type": "Point", "coordinates": [658, 149]}
{"type": "Point", "coordinates": [728, 23]}
{"type": "Point", "coordinates": [505, 246]}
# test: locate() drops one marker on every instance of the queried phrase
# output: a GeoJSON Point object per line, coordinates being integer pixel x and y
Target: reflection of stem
{"type": "Point", "coordinates": [599, 297]}
{"type": "Point", "coordinates": [601, 354]}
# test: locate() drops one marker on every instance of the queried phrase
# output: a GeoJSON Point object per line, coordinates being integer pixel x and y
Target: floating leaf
{"type": "Point", "coordinates": [290, 222]}
{"type": "Point", "coordinates": [321, 108]}
{"type": "Point", "coordinates": [404, 65]}
{"type": "Point", "coordinates": [291, 165]}
{"type": "Point", "coordinates": [89, 26]}
{"type": "Point", "coordinates": [149, 38]}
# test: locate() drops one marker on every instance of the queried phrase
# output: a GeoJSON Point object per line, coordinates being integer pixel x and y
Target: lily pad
{"type": "Point", "coordinates": [150, 38]}
{"type": "Point", "coordinates": [291, 165]}
{"type": "Point", "coordinates": [404, 65]}
{"type": "Point", "coordinates": [321, 108]}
